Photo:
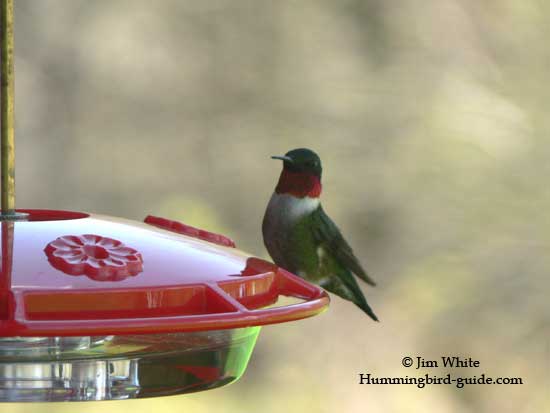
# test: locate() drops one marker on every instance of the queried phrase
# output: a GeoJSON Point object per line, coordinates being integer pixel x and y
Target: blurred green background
{"type": "Point", "coordinates": [432, 122]}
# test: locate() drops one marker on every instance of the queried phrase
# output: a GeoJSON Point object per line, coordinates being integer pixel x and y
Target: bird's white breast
{"type": "Point", "coordinates": [288, 208]}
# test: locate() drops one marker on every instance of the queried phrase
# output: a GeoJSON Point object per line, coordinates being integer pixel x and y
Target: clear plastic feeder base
{"type": "Point", "coordinates": [38, 369]}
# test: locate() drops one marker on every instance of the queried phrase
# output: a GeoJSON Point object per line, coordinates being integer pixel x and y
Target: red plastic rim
{"type": "Point", "coordinates": [52, 215]}
{"type": "Point", "coordinates": [227, 306]}
{"type": "Point", "coordinates": [75, 274]}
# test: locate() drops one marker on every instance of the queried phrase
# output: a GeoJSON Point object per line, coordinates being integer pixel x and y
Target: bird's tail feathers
{"type": "Point", "coordinates": [346, 287]}
{"type": "Point", "coordinates": [366, 308]}
{"type": "Point", "coordinates": [365, 277]}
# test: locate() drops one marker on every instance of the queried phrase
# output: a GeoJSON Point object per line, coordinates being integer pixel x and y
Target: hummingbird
{"type": "Point", "coordinates": [301, 238]}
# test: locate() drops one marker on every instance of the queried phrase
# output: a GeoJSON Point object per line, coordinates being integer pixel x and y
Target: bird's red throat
{"type": "Point", "coordinates": [299, 184]}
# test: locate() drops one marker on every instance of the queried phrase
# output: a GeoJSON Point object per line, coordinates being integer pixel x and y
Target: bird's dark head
{"type": "Point", "coordinates": [301, 175]}
{"type": "Point", "coordinates": [302, 160]}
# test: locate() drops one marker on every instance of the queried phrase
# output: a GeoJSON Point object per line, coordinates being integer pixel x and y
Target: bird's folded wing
{"type": "Point", "coordinates": [327, 234]}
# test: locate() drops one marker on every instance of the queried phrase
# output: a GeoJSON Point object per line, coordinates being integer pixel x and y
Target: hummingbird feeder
{"type": "Point", "coordinates": [102, 308]}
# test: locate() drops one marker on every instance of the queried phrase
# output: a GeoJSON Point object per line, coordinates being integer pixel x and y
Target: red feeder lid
{"type": "Point", "coordinates": [69, 273]}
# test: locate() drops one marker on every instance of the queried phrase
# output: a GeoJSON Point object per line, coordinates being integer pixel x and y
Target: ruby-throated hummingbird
{"type": "Point", "coordinates": [300, 236]}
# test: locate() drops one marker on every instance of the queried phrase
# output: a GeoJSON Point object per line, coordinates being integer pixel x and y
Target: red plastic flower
{"type": "Point", "coordinates": [99, 258]}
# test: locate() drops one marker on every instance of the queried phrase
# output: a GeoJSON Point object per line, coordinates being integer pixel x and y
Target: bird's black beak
{"type": "Point", "coordinates": [283, 158]}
